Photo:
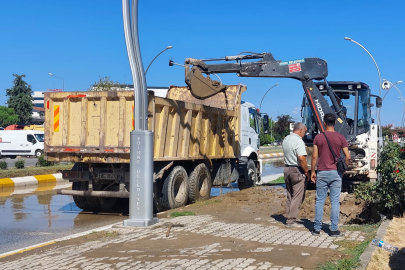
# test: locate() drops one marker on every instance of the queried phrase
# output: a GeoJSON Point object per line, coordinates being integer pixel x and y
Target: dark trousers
{"type": "Point", "coordinates": [296, 186]}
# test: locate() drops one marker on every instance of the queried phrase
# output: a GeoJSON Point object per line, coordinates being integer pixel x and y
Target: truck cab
{"type": "Point", "coordinates": [363, 134]}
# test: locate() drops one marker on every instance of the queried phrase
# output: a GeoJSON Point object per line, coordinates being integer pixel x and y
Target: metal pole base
{"type": "Point", "coordinates": [141, 180]}
{"type": "Point", "coordinates": [140, 223]}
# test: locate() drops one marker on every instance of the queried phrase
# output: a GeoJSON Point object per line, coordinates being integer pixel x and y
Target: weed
{"type": "Point", "coordinates": [19, 164]}
{"type": "Point", "coordinates": [42, 162]}
{"type": "Point", "coordinates": [3, 165]}
{"type": "Point", "coordinates": [208, 202]}
{"type": "Point", "coordinates": [182, 213]}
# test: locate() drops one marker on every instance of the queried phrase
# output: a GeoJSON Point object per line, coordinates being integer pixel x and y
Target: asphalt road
{"type": "Point", "coordinates": [28, 161]}
{"type": "Point", "coordinates": [39, 216]}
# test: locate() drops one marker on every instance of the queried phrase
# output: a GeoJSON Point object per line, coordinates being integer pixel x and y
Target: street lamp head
{"type": "Point", "coordinates": [399, 82]}
{"type": "Point", "coordinates": [169, 47]}
{"type": "Point", "coordinates": [50, 73]}
{"type": "Point", "coordinates": [347, 38]}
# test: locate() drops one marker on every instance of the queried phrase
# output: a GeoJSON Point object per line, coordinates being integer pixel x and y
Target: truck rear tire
{"type": "Point", "coordinates": [175, 189]}
{"type": "Point", "coordinates": [250, 176]}
{"type": "Point", "coordinates": [107, 203]}
{"type": "Point", "coordinates": [200, 184]}
{"type": "Point", "coordinates": [80, 201]}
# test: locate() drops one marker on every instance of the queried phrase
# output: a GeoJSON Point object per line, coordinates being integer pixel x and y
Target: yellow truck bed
{"type": "Point", "coordinates": [94, 127]}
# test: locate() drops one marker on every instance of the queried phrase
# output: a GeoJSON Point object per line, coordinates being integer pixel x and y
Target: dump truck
{"type": "Point", "coordinates": [197, 144]}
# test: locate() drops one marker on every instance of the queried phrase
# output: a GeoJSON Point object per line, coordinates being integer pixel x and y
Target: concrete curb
{"type": "Point", "coordinates": [368, 253]}
{"type": "Point", "coordinates": [30, 180]}
{"type": "Point", "coordinates": [262, 156]}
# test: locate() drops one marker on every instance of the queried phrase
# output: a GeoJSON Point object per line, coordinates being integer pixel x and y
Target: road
{"type": "Point", "coordinates": [42, 215]}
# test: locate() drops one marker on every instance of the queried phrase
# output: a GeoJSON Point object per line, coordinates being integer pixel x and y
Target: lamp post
{"type": "Point", "coordinates": [167, 48]}
{"type": "Point", "coordinates": [141, 139]}
{"type": "Point", "coordinates": [265, 95]}
{"type": "Point", "coordinates": [379, 88]}
{"type": "Point", "coordinates": [387, 85]}
{"type": "Point", "coordinates": [63, 81]}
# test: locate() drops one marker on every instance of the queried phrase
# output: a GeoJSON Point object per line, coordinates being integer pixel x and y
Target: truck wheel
{"type": "Point", "coordinates": [94, 202]}
{"type": "Point", "coordinates": [13, 157]}
{"type": "Point", "coordinates": [250, 176]}
{"type": "Point", "coordinates": [80, 201]}
{"type": "Point", "coordinates": [107, 203]}
{"type": "Point", "coordinates": [199, 184]}
{"type": "Point", "coordinates": [175, 189]}
{"type": "Point", "coordinates": [38, 153]}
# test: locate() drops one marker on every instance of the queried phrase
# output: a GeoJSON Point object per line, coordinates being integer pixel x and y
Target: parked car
{"type": "Point", "coordinates": [15, 143]}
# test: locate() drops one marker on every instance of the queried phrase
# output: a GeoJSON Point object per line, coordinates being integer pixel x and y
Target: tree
{"type": "Point", "coordinates": [105, 84]}
{"type": "Point", "coordinates": [20, 99]}
{"type": "Point", "coordinates": [282, 126]}
{"type": "Point", "coordinates": [386, 130]}
{"type": "Point", "coordinates": [7, 116]}
{"type": "Point", "coordinates": [266, 138]}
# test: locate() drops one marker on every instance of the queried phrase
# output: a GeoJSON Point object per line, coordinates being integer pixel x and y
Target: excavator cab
{"type": "Point", "coordinates": [356, 107]}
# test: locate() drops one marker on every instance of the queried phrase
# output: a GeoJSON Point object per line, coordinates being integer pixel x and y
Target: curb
{"type": "Point", "coordinates": [271, 155]}
{"type": "Point", "coordinates": [30, 180]}
{"type": "Point", "coordinates": [368, 253]}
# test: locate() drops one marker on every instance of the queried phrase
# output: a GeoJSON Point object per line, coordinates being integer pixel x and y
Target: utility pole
{"type": "Point", "coordinates": [141, 139]}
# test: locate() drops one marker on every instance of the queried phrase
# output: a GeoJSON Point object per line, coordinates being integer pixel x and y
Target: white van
{"type": "Point", "coordinates": [15, 143]}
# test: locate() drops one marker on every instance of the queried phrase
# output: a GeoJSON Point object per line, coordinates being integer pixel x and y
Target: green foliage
{"type": "Point", "coordinates": [20, 99]}
{"type": "Point", "coordinates": [282, 126]}
{"type": "Point", "coordinates": [266, 138]}
{"type": "Point", "coordinates": [19, 164]}
{"type": "Point", "coordinates": [182, 213]}
{"type": "Point", "coordinates": [42, 162]}
{"type": "Point", "coordinates": [7, 116]}
{"type": "Point", "coordinates": [386, 130]}
{"type": "Point", "coordinates": [3, 165]}
{"type": "Point", "coordinates": [388, 191]}
{"type": "Point", "coordinates": [105, 84]}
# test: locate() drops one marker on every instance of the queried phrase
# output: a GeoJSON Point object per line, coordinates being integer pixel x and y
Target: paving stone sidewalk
{"type": "Point", "coordinates": [220, 245]}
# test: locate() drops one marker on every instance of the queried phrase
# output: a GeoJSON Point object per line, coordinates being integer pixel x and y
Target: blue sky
{"type": "Point", "coordinates": [82, 40]}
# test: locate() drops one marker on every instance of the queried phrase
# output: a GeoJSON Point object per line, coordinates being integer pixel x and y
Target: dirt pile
{"type": "Point", "coordinates": [261, 203]}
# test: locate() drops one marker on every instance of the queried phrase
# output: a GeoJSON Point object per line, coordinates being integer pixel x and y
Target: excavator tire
{"type": "Point", "coordinates": [199, 184]}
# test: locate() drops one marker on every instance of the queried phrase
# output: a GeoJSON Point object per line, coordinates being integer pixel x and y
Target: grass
{"type": "Point", "coordinates": [28, 171]}
{"type": "Point", "coordinates": [279, 180]}
{"type": "Point", "coordinates": [208, 202]}
{"type": "Point", "coordinates": [97, 235]}
{"type": "Point", "coordinates": [182, 213]}
{"type": "Point", "coordinates": [269, 150]}
{"type": "Point", "coordinates": [352, 249]}
{"type": "Point", "coordinates": [383, 260]}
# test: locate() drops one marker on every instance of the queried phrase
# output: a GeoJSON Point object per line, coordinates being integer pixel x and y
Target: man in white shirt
{"type": "Point", "coordinates": [295, 172]}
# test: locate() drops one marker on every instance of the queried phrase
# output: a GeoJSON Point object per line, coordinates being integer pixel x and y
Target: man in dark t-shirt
{"type": "Point", "coordinates": [328, 176]}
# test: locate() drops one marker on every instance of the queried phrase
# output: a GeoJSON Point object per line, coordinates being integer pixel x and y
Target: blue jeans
{"type": "Point", "coordinates": [327, 180]}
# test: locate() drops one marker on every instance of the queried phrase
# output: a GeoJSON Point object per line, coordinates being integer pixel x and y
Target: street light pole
{"type": "Point", "coordinates": [167, 48]}
{"type": "Point", "coordinates": [389, 87]}
{"type": "Point", "coordinates": [265, 95]}
{"type": "Point", "coordinates": [141, 139]}
{"type": "Point", "coordinates": [379, 88]}
{"type": "Point", "coordinates": [63, 81]}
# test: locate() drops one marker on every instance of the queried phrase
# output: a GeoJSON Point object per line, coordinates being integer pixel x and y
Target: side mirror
{"type": "Point", "coordinates": [265, 123]}
{"type": "Point", "coordinates": [378, 102]}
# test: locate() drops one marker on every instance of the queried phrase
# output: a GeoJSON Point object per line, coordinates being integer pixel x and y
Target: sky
{"type": "Point", "coordinates": [80, 41]}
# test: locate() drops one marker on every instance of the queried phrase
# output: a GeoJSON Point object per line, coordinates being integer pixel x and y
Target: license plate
{"type": "Point", "coordinates": [106, 176]}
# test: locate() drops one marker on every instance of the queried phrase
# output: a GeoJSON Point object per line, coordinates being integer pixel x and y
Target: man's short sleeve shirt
{"type": "Point", "coordinates": [293, 146]}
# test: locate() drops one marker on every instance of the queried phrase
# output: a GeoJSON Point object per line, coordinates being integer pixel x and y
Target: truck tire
{"type": "Point", "coordinates": [199, 184]}
{"type": "Point", "coordinates": [94, 202]}
{"type": "Point", "coordinates": [175, 189]}
{"type": "Point", "coordinates": [80, 201]}
{"type": "Point", "coordinates": [250, 176]}
{"type": "Point", "coordinates": [107, 203]}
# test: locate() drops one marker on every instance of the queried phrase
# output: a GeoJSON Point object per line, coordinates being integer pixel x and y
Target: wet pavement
{"type": "Point", "coordinates": [34, 215]}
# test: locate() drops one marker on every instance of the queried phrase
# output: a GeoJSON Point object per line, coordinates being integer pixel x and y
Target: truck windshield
{"type": "Point", "coordinates": [39, 137]}
{"type": "Point", "coordinates": [364, 109]}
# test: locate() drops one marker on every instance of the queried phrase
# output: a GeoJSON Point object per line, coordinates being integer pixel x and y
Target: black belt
{"type": "Point", "coordinates": [290, 166]}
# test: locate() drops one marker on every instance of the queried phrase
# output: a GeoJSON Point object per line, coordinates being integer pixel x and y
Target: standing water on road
{"type": "Point", "coordinates": [270, 167]}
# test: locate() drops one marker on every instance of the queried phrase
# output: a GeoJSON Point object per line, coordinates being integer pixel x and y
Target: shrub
{"type": "Point", "coordinates": [3, 165]}
{"type": "Point", "coordinates": [42, 162]}
{"type": "Point", "coordinates": [389, 190]}
{"type": "Point", "coordinates": [19, 164]}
